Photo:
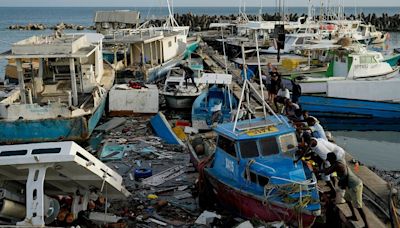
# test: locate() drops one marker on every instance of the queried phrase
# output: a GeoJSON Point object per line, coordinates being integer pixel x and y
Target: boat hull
{"type": "Point", "coordinates": [179, 102]}
{"type": "Point", "coordinates": [250, 207]}
{"type": "Point", "coordinates": [45, 130]}
{"type": "Point", "coordinates": [346, 114]}
{"type": "Point", "coordinates": [163, 129]}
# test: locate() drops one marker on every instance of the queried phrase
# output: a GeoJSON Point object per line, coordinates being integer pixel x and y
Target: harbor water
{"type": "Point", "coordinates": [379, 149]}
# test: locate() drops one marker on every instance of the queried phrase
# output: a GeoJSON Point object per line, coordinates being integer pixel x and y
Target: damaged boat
{"type": "Point", "coordinates": [65, 99]}
{"type": "Point", "coordinates": [252, 172]}
{"type": "Point", "coordinates": [180, 92]}
{"type": "Point", "coordinates": [214, 105]}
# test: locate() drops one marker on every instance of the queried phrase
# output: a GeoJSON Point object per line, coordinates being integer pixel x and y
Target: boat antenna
{"type": "Point", "coordinates": [223, 49]}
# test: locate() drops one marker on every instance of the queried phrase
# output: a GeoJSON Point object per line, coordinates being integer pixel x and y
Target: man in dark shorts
{"type": "Point", "coordinates": [275, 84]}
{"type": "Point", "coordinates": [349, 181]}
{"type": "Point", "coordinates": [189, 74]}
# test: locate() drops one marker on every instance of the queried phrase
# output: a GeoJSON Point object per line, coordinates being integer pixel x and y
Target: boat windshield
{"type": "Point", "coordinates": [227, 145]}
{"type": "Point", "coordinates": [287, 142]}
{"type": "Point", "coordinates": [249, 149]}
{"type": "Point", "coordinates": [269, 146]}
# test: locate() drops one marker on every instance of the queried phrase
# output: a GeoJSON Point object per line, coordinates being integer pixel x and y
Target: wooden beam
{"type": "Point", "coordinates": [73, 82]}
{"type": "Point", "coordinates": [21, 82]}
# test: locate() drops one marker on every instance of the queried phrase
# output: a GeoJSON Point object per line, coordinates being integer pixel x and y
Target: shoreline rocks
{"type": "Point", "coordinates": [202, 22]}
{"type": "Point", "coordinates": [40, 26]}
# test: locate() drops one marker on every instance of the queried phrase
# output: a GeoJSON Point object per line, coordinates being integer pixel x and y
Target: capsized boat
{"type": "Point", "coordinates": [65, 99]}
{"type": "Point", "coordinates": [218, 98]}
{"type": "Point", "coordinates": [252, 172]}
{"type": "Point", "coordinates": [179, 95]}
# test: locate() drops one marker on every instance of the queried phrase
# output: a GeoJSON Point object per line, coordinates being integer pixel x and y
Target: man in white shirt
{"type": "Point", "coordinates": [322, 147]}
{"type": "Point", "coordinates": [316, 128]}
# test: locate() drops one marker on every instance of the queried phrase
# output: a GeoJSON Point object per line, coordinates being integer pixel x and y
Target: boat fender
{"type": "Point", "coordinates": [142, 173]}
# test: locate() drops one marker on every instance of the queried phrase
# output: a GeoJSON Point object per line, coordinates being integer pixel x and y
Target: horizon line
{"type": "Point", "coordinates": [222, 6]}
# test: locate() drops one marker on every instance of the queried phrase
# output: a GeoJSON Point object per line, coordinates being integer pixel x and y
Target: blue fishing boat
{"type": "Point", "coordinates": [65, 99]}
{"type": "Point", "coordinates": [345, 114]}
{"type": "Point", "coordinates": [252, 172]}
{"type": "Point", "coordinates": [202, 109]}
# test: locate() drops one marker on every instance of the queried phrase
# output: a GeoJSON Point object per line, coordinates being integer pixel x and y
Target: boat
{"type": "Point", "coordinates": [202, 110]}
{"type": "Point", "coordinates": [349, 65]}
{"type": "Point", "coordinates": [65, 99]}
{"type": "Point", "coordinates": [368, 34]}
{"type": "Point", "coordinates": [252, 173]}
{"type": "Point", "coordinates": [176, 93]}
{"type": "Point", "coordinates": [147, 52]}
{"type": "Point", "coordinates": [292, 42]}
{"type": "Point", "coordinates": [368, 93]}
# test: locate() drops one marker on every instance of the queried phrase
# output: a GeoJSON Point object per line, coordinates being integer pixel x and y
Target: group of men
{"type": "Point", "coordinates": [346, 186]}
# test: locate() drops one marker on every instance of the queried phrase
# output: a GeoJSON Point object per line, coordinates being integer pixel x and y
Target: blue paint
{"type": "Point", "coordinates": [393, 60]}
{"type": "Point", "coordinates": [163, 129]}
{"type": "Point", "coordinates": [95, 118]}
{"type": "Point", "coordinates": [230, 167]}
{"type": "Point", "coordinates": [341, 107]}
{"type": "Point", "coordinates": [201, 110]}
{"type": "Point", "coordinates": [351, 114]}
{"type": "Point", "coordinates": [25, 131]}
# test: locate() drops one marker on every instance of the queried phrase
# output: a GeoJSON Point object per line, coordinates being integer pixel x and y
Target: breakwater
{"type": "Point", "coordinates": [382, 22]}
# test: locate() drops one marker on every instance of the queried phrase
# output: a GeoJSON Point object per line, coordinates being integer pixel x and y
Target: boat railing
{"type": "Point", "coordinates": [303, 186]}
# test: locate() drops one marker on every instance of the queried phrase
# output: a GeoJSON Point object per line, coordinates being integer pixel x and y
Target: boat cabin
{"type": "Point", "coordinates": [146, 49]}
{"type": "Point", "coordinates": [109, 22]}
{"type": "Point", "coordinates": [359, 64]}
{"type": "Point", "coordinates": [255, 160]}
{"type": "Point", "coordinates": [70, 74]}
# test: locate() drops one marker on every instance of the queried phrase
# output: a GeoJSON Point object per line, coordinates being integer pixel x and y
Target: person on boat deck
{"type": "Point", "coordinates": [189, 74]}
{"type": "Point", "coordinates": [316, 128]}
{"type": "Point", "coordinates": [266, 76]}
{"type": "Point", "coordinates": [350, 182]}
{"type": "Point", "coordinates": [216, 112]}
{"type": "Point", "coordinates": [275, 84]}
{"type": "Point", "coordinates": [281, 97]}
{"type": "Point", "coordinates": [296, 91]}
{"type": "Point", "coordinates": [249, 73]}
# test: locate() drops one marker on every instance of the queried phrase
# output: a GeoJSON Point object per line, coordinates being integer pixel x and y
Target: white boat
{"type": "Point", "coordinates": [360, 65]}
{"type": "Point", "coordinates": [151, 51]}
{"type": "Point", "coordinates": [65, 99]}
{"type": "Point", "coordinates": [179, 95]}
{"type": "Point", "coordinates": [292, 42]}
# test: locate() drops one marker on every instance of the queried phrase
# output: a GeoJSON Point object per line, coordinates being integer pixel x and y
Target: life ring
{"type": "Point", "coordinates": [142, 173]}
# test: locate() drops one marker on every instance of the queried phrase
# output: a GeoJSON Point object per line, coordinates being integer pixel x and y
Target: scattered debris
{"type": "Point", "coordinates": [113, 123]}
{"type": "Point", "coordinates": [206, 218]}
{"type": "Point", "coordinates": [164, 176]}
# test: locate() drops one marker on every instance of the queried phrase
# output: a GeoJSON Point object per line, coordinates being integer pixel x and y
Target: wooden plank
{"type": "Point", "coordinates": [345, 214]}
{"type": "Point", "coordinates": [111, 124]}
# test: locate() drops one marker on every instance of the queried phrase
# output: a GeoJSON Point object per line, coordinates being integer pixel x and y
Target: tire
{"type": "Point", "coordinates": [142, 173]}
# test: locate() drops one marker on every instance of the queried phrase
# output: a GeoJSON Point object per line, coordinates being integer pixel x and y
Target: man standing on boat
{"type": "Point", "coordinates": [189, 74]}
{"type": "Point", "coordinates": [249, 73]}
{"type": "Point", "coordinates": [349, 181]}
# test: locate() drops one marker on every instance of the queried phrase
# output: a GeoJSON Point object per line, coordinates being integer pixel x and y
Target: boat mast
{"type": "Point", "coordinates": [171, 22]}
{"type": "Point", "coordinates": [247, 85]}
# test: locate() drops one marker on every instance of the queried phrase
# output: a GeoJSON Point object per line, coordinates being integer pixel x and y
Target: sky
{"type": "Point", "coordinates": [205, 3]}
